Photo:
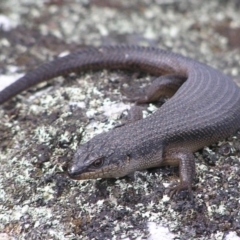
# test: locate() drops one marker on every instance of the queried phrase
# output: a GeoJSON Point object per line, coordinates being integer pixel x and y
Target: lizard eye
{"type": "Point", "coordinates": [98, 163]}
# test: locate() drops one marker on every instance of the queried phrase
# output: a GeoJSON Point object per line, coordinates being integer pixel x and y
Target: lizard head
{"type": "Point", "coordinates": [99, 158]}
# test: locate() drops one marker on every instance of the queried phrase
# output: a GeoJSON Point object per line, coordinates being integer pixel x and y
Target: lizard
{"type": "Point", "coordinates": [204, 108]}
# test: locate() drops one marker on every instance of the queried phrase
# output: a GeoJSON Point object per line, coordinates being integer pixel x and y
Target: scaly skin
{"type": "Point", "coordinates": [204, 110]}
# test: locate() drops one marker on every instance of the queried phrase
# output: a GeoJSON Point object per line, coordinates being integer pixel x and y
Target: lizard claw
{"type": "Point", "coordinates": [175, 190]}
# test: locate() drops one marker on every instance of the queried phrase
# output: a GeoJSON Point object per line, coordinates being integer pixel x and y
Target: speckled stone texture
{"type": "Point", "coordinates": [41, 130]}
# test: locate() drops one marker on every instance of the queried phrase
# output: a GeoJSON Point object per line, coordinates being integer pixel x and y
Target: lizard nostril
{"type": "Point", "coordinates": [72, 171]}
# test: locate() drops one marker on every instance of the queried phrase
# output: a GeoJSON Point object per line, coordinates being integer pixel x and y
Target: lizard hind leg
{"type": "Point", "coordinates": [165, 85]}
{"type": "Point", "coordinates": [134, 114]}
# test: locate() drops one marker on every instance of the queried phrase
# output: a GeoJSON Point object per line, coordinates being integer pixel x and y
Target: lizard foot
{"type": "Point", "coordinates": [175, 190]}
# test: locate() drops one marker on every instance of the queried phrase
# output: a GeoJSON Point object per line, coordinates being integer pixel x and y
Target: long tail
{"type": "Point", "coordinates": [151, 60]}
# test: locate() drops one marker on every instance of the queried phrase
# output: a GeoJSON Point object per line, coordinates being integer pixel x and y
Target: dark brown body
{"type": "Point", "coordinates": [205, 109]}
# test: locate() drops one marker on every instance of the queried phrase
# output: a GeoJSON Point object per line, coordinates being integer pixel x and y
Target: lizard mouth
{"type": "Point", "coordinates": [82, 173]}
{"type": "Point", "coordinates": [78, 173]}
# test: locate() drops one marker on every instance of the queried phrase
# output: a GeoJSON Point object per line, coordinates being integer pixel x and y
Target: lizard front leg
{"type": "Point", "coordinates": [185, 160]}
